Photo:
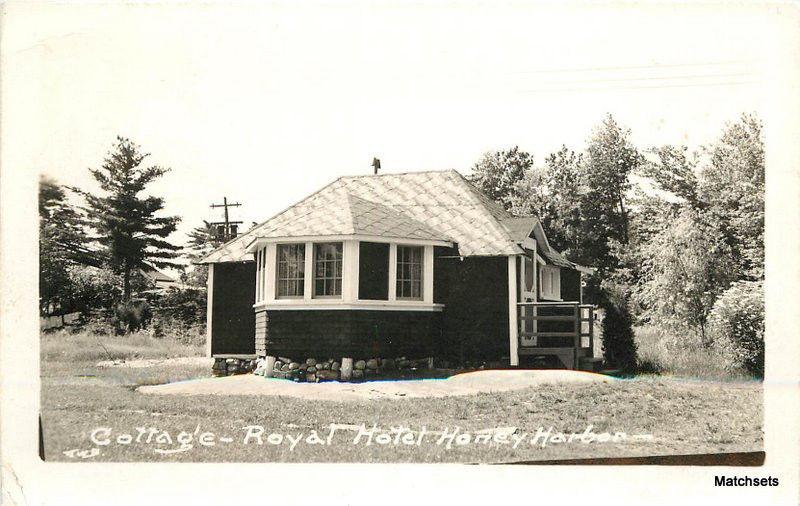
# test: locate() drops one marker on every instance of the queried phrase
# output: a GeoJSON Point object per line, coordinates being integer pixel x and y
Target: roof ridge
{"type": "Point", "coordinates": [350, 197]}
{"type": "Point", "coordinates": [387, 174]}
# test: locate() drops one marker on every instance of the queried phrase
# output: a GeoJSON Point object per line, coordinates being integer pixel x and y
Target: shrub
{"type": "Point", "coordinates": [737, 326]}
{"type": "Point", "coordinates": [619, 347]}
{"type": "Point", "coordinates": [185, 305]}
{"type": "Point", "coordinates": [93, 289]}
{"type": "Point", "coordinates": [180, 314]}
{"type": "Point", "coordinates": [132, 315]}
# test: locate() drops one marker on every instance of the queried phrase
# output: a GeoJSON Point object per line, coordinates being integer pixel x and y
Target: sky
{"type": "Point", "coordinates": [265, 103]}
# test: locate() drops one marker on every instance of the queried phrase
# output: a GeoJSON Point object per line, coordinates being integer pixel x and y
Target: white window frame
{"type": "Point", "coordinates": [265, 253]}
{"type": "Point", "coordinates": [397, 264]}
{"type": "Point", "coordinates": [550, 282]}
{"type": "Point", "coordinates": [260, 257]}
{"type": "Point", "coordinates": [315, 295]}
{"type": "Point", "coordinates": [304, 279]}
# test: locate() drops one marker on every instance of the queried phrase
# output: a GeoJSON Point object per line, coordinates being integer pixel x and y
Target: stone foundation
{"type": "Point", "coordinates": [314, 370]}
{"type": "Point", "coordinates": [231, 366]}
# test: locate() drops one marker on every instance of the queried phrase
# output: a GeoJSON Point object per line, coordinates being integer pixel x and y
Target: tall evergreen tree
{"type": "Point", "coordinates": [202, 241]}
{"type": "Point", "coordinates": [126, 222]}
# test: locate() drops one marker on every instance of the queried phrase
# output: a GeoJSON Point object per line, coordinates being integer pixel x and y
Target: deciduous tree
{"type": "Point", "coordinates": [732, 186]}
{"type": "Point", "coordinates": [685, 269]}
{"type": "Point", "coordinates": [610, 160]}
{"type": "Point", "coordinates": [499, 174]}
{"type": "Point", "coordinates": [62, 244]}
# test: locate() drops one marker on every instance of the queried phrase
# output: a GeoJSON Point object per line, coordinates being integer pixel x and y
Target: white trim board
{"type": "Point", "coordinates": [209, 307]}
{"type": "Point", "coordinates": [513, 329]}
{"type": "Point", "coordinates": [261, 241]}
{"type": "Point", "coordinates": [359, 306]}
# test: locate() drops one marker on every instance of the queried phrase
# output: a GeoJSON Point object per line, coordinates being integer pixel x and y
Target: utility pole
{"type": "Point", "coordinates": [229, 228]}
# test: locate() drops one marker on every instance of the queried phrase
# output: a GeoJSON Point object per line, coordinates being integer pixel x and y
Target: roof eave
{"type": "Point", "coordinates": [261, 241]}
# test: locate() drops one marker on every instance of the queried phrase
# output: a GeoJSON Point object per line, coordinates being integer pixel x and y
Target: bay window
{"type": "Point", "coordinates": [339, 272]}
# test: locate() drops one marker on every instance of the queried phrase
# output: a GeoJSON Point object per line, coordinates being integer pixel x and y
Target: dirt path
{"type": "Point", "coordinates": [462, 384]}
{"type": "Point", "coordinates": [150, 362]}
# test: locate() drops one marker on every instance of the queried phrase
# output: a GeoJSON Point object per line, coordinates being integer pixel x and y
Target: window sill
{"type": "Point", "coordinates": [337, 304]}
{"type": "Point", "coordinates": [551, 298]}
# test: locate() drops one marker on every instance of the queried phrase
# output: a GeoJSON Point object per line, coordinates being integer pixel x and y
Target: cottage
{"type": "Point", "coordinates": [418, 264]}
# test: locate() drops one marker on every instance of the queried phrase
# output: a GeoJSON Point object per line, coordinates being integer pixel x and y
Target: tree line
{"type": "Point", "coordinates": [95, 248]}
{"type": "Point", "coordinates": [676, 235]}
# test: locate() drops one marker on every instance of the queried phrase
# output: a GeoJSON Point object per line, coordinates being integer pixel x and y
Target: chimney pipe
{"type": "Point", "coordinates": [376, 165]}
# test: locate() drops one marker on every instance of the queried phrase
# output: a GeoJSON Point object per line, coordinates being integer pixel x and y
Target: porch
{"type": "Point", "coordinates": [564, 330]}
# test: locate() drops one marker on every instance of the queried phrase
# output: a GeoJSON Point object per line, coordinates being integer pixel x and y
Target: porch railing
{"type": "Point", "coordinates": [565, 329]}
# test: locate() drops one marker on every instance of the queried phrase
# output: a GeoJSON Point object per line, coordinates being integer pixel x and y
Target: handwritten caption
{"type": "Point", "coordinates": [164, 442]}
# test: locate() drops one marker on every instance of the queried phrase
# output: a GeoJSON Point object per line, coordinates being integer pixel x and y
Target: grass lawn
{"type": "Point", "coordinates": [683, 416]}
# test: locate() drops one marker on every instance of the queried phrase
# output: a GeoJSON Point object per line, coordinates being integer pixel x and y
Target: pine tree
{"type": "Point", "coordinates": [202, 240]}
{"type": "Point", "coordinates": [127, 225]}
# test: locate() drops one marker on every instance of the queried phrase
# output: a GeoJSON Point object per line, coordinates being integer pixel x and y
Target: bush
{"type": "Point", "coordinates": [93, 289]}
{"type": "Point", "coordinates": [737, 326]}
{"type": "Point", "coordinates": [185, 305]}
{"type": "Point", "coordinates": [619, 347]}
{"type": "Point", "coordinates": [132, 315]}
{"type": "Point", "coordinates": [180, 314]}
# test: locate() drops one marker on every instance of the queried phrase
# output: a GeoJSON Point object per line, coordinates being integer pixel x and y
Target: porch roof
{"type": "Point", "coordinates": [522, 227]}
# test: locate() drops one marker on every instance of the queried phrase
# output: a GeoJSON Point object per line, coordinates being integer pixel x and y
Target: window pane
{"type": "Point", "coordinates": [328, 269]}
{"type": "Point", "coordinates": [291, 268]}
{"type": "Point", "coordinates": [409, 272]}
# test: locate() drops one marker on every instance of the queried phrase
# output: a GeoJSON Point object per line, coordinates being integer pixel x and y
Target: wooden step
{"type": "Point", "coordinates": [591, 364]}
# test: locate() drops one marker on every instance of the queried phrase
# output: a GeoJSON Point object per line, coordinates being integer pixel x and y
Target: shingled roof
{"type": "Point", "coordinates": [440, 205]}
{"type": "Point", "coordinates": [520, 227]}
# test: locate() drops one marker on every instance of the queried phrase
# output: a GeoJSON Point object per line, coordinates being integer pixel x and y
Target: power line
{"type": "Point", "coordinates": [227, 229]}
{"type": "Point", "coordinates": [658, 78]}
{"type": "Point", "coordinates": [631, 67]}
{"type": "Point", "coordinates": [622, 88]}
